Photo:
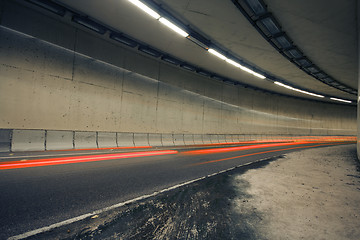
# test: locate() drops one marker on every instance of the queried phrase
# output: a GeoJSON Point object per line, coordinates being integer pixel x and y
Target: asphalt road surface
{"type": "Point", "coordinates": [39, 189]}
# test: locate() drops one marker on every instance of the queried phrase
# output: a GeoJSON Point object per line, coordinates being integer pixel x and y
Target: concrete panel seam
{"type": "Point", "coordinates": [97, 139]}
{"type": "Point", "coordinates": [45, 140]}
{"type": "Point", "coordinates": [73, 139]}
{"type": "Point", "coordinates": [116, 139]}
{"type": "Point", "coordinates": [133, 138]}
{"type": "Point", "coordinates": [11, 139]}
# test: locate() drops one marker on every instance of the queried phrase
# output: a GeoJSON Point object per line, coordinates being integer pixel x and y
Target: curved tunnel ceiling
{"type": "Point", "coordinates": [222, 23]}
{"type": "Point", "coordinates": [269, 27]}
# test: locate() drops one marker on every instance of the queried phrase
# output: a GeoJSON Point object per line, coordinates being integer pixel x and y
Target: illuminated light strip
{"type": "Point", "coordinates": [216, 53]}
{"type": "Point", "coordinates": [79, 159]}
{"type": "Point", "coordinates": [258, 153]}
{"type": "Point", "coordinates": [157, 16]}
{"type": "Point", "coordinates": [232, 62]}
{"type": "Point", "coordinates": [252, 72]}
{"type": "Point", "coordinates": [173, 27]}
{"type": "Point", "coordinates": [340, 100]}
{"type": "Point", "coordinates": [298, 90]}
{"type": "Point", "coordinates": [145, 8]}
{"type": "Point", "coordinates": [238, 65]}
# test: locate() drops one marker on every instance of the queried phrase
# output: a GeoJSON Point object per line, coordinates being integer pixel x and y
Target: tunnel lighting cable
{"type": "Point", "coordinates": [298, 90]}
{"type": "Point", "coordinates": [145, 8]}
{"type": "Point", "coordinates": [173, 27]}
{"type": "Point", "coordinates": [341, 100]}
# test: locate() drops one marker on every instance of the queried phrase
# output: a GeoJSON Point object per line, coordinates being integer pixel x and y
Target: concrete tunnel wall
{"type": "Point", "coordinates": [55, 76]}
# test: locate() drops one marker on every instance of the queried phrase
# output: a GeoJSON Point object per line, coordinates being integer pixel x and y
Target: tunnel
{"type": "Point", "coordinates": [96, 97]}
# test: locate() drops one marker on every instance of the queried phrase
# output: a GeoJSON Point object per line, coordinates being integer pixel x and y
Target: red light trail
{"type": "Point", "coordinates": [78, 159]}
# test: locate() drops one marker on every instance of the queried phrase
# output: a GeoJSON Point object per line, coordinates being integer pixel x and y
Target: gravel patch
{"type": "Point", "coordinates": [309, 194]}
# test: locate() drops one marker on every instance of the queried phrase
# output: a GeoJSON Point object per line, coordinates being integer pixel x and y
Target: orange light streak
{"type": "Point", "coordinates": [257, 153]}
{"type": "Point", "coordinates": [78, 159]}
{"type": "Point", "coordinates": [242, 148]}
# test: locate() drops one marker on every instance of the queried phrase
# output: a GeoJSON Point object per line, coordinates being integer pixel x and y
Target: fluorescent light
{"type": "Point", "coordinates": [145, 8]}
{"type": "Point", "coordinates": [246, 69]}
{"type": "Point", "coordinates": [298, 90]}
{"type": "Point", "coordinates": [283, 85]}
{"type": "Point", "coordinates": [252, 72]}
{"type": "Point", "coordinates": [233, 63]}
{"type": "Point", "coordinates": [258, 75]}
{"type": "Point", "coordinates": [341, 100]}
{"type": "Point", "coordinates": [173, 27]}
{"type": "Point", "coordinates": [238, 65]}
{"type": "Point", "coordinates": [216, 53]}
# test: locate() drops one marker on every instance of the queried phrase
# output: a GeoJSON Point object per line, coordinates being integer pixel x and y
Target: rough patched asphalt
{"type": "Point", "coordinates": [201, 210]}
{"type": "Point", "coordinates": [311, 194]}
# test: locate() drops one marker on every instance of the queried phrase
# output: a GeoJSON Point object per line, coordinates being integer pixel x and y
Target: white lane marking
{"type": "Point", "coordinates": [97, 212]}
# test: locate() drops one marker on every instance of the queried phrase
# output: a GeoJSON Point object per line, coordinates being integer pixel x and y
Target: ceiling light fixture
{"type": "Point", "coordinates": [173, 27]}
{"type": "Point", "coordinates": [216, 53]}
{"type": "Point", "coordinates": [123, 39]}
{"type": "Point", "coordinates": [149, 51]}
{"type": "Point", "coordinates": [252, 72]}
{"type": "Point", "coordinates": [257, 6]}
{"type": "Point", "coordinates": [258, 75]}
{"type": "Point", "coordinates": [238, 65]}
{"type": "Point", "coordinates": [341, 100]}
{"type": "Point", "coordinates": [145, 8]}
{"type": "Point", "coordinates": [298, 90]}
{"type": "Point", "coordinates": [90, 24]}
{"type": "Point", "coordinates": [232, 62]}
